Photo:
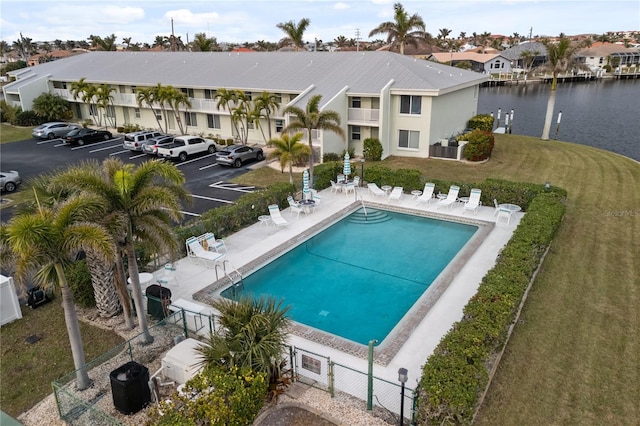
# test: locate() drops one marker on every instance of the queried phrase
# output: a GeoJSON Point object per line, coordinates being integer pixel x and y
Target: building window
{"type": "Point", "coordinates": [356, 102]}
{"type": "Point", "coordinates": [409, 139]}
{"type": "Point", "coordinates": [279, 125]}
{"type": "Point", "coordinates": [93, 110]}
{"type": "Point", "coordinates": [133, 89]}
{"type": "Point", "coordinates": [209, 94]}
{"type": "Point", "coordinates": [213, 121]}
{"type": "Point", "coordinates": [278, 98]}
{"type": "Point", "coordinates": [190, 119]}
{"type": "Point", "coordinates": [248, 95]}
{"type": "Point", "coordinates": [158, 114]}
{"type": "Point", "coordinates": [110, 111]}
{"type": "Point", "coordinates": [355, 133]}
{"type": "Point", "coordinates": [188, 92]}
{"type": "Point", "coordinates": [137, 112]}
{"type": "Point", "coordinates": [410, 104]}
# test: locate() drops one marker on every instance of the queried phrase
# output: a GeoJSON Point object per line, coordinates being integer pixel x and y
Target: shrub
{"type": "Point", "coordinates": [482, 122]}
{"type": "Point", "coordinates": [129, 128]}
{"type": "Point", "coordinates": [28, 118]}
{"type": "Point", "coordinates": [330, 156]}
{"type": "Point", "coordinates": [480, 145]}
{"type": "Point", "coordinates": [52, 107]}
{"type": "Point", "coordinates": [351, 151]}
{"type": "Point", "coordinates": [372, 149]}
{"type": "Point", "coordinates": [8, 113]}
{"type": "Point", "coordinates": [215, 396]}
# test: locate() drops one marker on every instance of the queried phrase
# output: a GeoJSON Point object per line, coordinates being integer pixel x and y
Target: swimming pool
{"type": "Point", "coordinates": [360, 276]}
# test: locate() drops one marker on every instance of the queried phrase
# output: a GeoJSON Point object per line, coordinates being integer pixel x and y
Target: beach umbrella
{"type": "Point", "coordinates": [305, 184]}
{"type": "Point", "coordinates": [347, 165]}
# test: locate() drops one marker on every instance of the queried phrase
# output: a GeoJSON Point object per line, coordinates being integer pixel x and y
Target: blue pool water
{"type": "Point", "coordinates": [357, 280]}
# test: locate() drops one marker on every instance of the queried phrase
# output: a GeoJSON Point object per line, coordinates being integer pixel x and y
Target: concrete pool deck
{"type": "Point", "coordinates": [252, 246]}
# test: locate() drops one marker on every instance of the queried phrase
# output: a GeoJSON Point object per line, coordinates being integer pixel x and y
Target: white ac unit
{"type": "Point", "coordinates": [182, 362]}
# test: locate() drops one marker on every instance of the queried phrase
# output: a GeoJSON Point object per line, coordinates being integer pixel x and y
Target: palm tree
{"type": "Point", "coordinates": [202, 43]}
{"type": "Point", "coordinates": [252, 334]}
{"type": "Point", "coordinates": [145, 96]}
{"type": "Point", "coordinates": [85, 91]}
{"type": "Point", "coordinates": [294, 32]}
{"type": "Point", "coordinates": [560, 58]}
{"type": "Point", "coordinates": [403, 30]}
{"type": "Point", "coordinates": [288, 148]}
{"type": "Point", "coordinates": [104, 100]}
{"type": "Point", "coordinates": [177, 99]}
{"type": "Point", "coordinates": [268, 104]}
{"type": "Point", "coordinates": [340, 41]}
{"type": "Point", "coordinates": [228, 99]}
{"type": "Point", "coordinates": [313, 119]}
{"type": "Point", "coordinates": [49, 239]}
{"type": "Point", "coordinates": [146, 199]}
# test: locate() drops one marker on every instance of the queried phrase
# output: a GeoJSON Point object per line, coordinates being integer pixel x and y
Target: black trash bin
{"type": "Point", "coordinates": [158, 300]}
{"type": "Point", "coordinates": [130, 387]}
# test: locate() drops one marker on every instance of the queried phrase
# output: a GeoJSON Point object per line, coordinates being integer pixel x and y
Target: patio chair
{"type": "Point", "coordinates": [350, 187]}
{"type": "Point", "coordinates": [197, 253]}
{"type": "Point", "coordinates": [375, 190]}
{"type": "Point", "coordinates": [335, 187]}
{"type": "Point", "coordinates": [294, 207]}
{"type": "Point", "coordinates": [427, 193]}
{"type": "Point", "coordinates": [497, 206]}
{"type": "Point", "coordinates": [504, 214]}
{"type": "Point", "coordinates": [168, 275]}
{"type": "Point", "coordinates": [341, 179]}
{"type": "Point", "coordinates": [474, 201]}
{"type": "Point", "coordinates": [209, 242]}
{"type": "Point", "coordinates": [315, 197]}
{"type": "Point", "coordinates": [452, 197]}
{"type": "Point", "coordinates": [276, 217]}
{"type": "Point", "coordinates": [396, 194]}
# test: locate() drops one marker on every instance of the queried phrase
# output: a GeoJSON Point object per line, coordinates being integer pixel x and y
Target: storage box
{"type": "Point", "coordinates": [182, 362]}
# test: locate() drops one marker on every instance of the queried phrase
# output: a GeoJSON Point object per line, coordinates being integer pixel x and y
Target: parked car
{"type": "Point", "coordinates": [135, 140]}
{"type": "Point", "coordinates": [85, 135]}
{"type": "Point", "coordinates": [185, 146]}
{"type": "Point", "coordinates": [150, 146]}
{"type": "Point", "coordinates": [9, 181]}
{"type": "Point", "coordinates": [52, 130]}
{"type": "Point", "coordinates": [235, 155]}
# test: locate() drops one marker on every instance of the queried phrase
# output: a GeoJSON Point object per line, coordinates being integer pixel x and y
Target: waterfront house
{"type": "Point", "coordinates": [599, 55]}
{"type": "Point", "coordinates": [407, 103]}
{"type": "Point", "coordinates": [488, 63]}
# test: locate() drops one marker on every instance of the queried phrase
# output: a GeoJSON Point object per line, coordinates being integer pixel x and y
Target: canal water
{"type": "Point", "coordinates": [604, 114]}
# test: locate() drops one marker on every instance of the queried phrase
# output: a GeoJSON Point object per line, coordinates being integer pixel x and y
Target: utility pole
{"type": "Point", "coordinates": [357, 39]}
{"type": "Point", "coordinates": [173, 38]}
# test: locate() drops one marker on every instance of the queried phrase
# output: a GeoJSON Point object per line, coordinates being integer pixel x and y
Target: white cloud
{"type": "Point", "coordinates": [341, 6]}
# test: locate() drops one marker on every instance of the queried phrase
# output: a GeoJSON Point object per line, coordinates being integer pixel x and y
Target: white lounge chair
{"type": "Point", "coordinates": [427, 193]}
{"type": "Point", "coordinates": [497, 206]}
{"type": "Point", "coordinates": [209, 242]}
{"type": "Point", "coordinates": [294, 206]}
{"type": "Point", "coordinates": [452, 197]}
{"type": "Point", "coordinates": [196, 252]}
{"type": "Point", "coordinates": [474, 201]}
{"type": "Point", "coordinates": [276, 217]}
{"type": "Point", "coordinates": [375, 190]}
{"type": "Point", "coordinates": [396, 194]}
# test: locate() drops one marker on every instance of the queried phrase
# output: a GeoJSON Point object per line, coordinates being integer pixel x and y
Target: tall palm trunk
{"type": "Point", "coordinates": [120, 281]}
{"type": "Point", "coordinates": [311, 159]}
{"type": "Point", "coordinates": [550, 105]}
{"type": "Point", "coordinates": [137, 291]}
{"type": "Point", "coordinates": [104, 292]}
{"type": "Point", "coordinates": [73, 329]}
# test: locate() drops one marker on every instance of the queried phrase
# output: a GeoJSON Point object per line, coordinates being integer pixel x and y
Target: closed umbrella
{"type": "Point", "coordinates": [347, 165]}
{"type": "Point", "coordinates": [305, 184]}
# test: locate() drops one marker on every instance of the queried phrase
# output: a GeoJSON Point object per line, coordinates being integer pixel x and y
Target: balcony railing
{"type": "Point", "coordinates": [362, 115]}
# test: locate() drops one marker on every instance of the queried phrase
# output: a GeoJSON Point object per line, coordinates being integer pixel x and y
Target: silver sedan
{"type": "Point", "coordinates": [55, 129]}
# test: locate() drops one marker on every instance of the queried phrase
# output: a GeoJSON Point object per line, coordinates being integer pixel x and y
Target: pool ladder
{"type": "Point", "coordinates": [364, 209]}
{"type": "Point", "coordinates": [233, 275]}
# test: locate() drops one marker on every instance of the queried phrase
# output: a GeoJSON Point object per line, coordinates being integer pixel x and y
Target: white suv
{"type": "Point", "coordinates": [133, 141]}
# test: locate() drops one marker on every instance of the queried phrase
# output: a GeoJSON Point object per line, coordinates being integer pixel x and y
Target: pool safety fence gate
{"type": "Point", "coordinates": [92, 406]}
{"type": "Point", "coordinates": [320, 372]}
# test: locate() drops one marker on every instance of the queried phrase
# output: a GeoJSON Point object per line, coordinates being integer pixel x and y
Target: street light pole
{"type": "Point", "coordinates": [402, 378]}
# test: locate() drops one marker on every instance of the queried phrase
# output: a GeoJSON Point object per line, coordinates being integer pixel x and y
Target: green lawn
{"type": "Point", "coordinates": [27, 370]}
{"type": "Point", "coordinates": [573, 357]}
{"type": "Point", "coordinates": [9, 133]}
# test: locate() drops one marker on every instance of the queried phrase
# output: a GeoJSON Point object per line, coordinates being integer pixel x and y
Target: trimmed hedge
{"type": "Point", "coordinates": [482, 122]}
{"type": "Point", "coordinates": [457, 372]}
{"type": "Point", "coordinates": [480, 145]}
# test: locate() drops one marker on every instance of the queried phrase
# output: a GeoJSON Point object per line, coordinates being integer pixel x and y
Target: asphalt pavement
{"type": "Point", "coordinates": [207, 181]}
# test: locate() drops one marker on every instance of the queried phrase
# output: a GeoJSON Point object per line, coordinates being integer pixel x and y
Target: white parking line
{"type": "Point", "coordinates": [210, 165]}
{"type": "Point", "coordinates": [189, 213]}
{"type": "Point", "coordinates": [211, 199]}
{"type": "Point", "coordinates": [107, 148]}
{"type": "Point", "coordinates": [93, 144]}
{"type": "Point", "coordinates": [48, 141]}
{"type": "Point", "coordinates": [232, 187]}
{"type": "Point", "coordinates": [194, 160]}
{"type": "Point", "coordinates": [124, 151]}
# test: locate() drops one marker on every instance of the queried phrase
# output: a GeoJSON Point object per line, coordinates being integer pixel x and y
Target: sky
{"type": "Point", "coordinates": [238, 21]}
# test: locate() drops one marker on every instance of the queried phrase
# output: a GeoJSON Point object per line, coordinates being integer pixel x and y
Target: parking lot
{"type": "Point", "coordinates": [208, 182]}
